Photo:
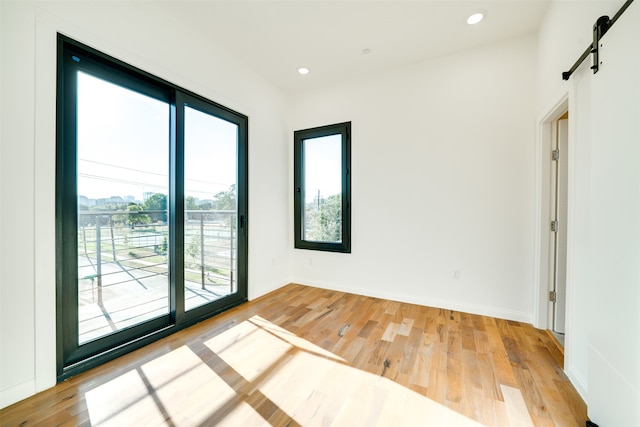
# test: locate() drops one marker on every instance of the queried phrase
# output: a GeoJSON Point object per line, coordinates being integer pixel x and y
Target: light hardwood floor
{"type": "Point", "coordinates": [303, 356]}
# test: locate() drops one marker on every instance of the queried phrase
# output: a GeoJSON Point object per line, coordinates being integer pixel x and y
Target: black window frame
{"type": "Point", "coordinates": [344, 130]}
{"type": "Point", "coordinates": [72, 357]}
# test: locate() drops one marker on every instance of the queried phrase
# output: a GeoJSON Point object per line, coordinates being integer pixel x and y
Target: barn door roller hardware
{"type": "Point", "coordinates": [600, 28]}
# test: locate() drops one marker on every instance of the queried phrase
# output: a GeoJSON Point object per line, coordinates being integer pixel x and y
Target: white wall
{"type": "Point", "coordinates": [602, 356]}
{"type": "Point", "coordinates": [442, 179]}
{"type": "Point", "coordinates": [17, 312]}
{"type": "Point", "coordinates": [144, 35]}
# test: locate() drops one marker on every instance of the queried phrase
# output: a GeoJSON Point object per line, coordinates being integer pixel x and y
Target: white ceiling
{"type": "Point", "coordinates": [275, 38]}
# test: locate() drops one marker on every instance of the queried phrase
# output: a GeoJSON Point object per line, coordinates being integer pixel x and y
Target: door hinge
{"type": "Point", "coordinates": [555, 155]}
{"type": "Point", "coordinates": [552, 296]}
{"type": "Point", "coordinates": [554, 226]}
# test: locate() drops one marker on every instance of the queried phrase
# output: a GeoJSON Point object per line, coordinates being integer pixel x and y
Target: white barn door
{"type": "Point", "coordinates": [614, 227]}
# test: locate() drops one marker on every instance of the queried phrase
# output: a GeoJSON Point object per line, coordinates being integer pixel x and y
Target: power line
{"type": "Point", "coordinates": [122, 167]}
{"type": "Point", "coordinates": [150, 173]}
{"type": "Point", "coordinates": [120, 181]}
{"type": "Point", "coordinates": [141, 184]}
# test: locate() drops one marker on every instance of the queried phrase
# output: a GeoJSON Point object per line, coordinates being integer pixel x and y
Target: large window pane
{"type": "Point", "coordinates": [210, 217]}
{"type": "Point", "coordinates": [323, 189]}
{"type": "Point", "coordinates": [123, 148]}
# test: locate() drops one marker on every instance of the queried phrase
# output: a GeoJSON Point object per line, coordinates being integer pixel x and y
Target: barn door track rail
{"type": "Point", "coordinates": [600, 28]}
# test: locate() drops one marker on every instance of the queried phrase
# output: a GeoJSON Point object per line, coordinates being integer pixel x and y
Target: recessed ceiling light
{"type": "Point", "coordinates": [476, 17]}
{"type": "Point", "coordinates": [303, 71]}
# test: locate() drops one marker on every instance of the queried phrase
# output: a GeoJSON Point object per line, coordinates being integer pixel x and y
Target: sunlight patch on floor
{"type": "Point", "coordinates": [121, 400]}
{"type": "Point", "coordinates": [249, 349]}
{"type": "Point", "coordinates": [516, 407]}
{"type": "Point", "coordinates": [177, 386]}
{"type": "Point", "coordinates": [231, 378]}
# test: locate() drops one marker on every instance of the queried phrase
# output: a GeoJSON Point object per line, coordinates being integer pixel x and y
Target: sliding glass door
{"type": "Point", "coordinates": [122, 187]}
{"type": "Point", "coordinates": [210, 211]}
{"type": "Point", "coordinates": [151, 208]}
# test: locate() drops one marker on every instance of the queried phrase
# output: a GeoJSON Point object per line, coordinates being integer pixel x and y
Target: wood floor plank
{"type": "Point", "coordinates": [499, 357]}
{"type": "Point", "coordinates": [468, 338]}
{"type": "Point", "coordinates": [490, 383]}
{"type": "Point", "coordinates": [413, 343]}
{"type": "Point", "coordinates": [390, 332]}
{"type": "Point", "coordinates": [471, 372]}
{"type": "Point", "coordinates": [482, 341]}
{"type": "Point", "coordinates": [535, 403]}
{"type": "Point", "coordinates": [516, 407]}
{"type": "Point", "coordinates": [454, 380]}
{"type": "Point", "coordinates": [574, 406]}
{"type": "Point", "coordinates": [422, 365]}
{"type": "Point", "coordinates": [438, 378]}
{"type": "Point", "coordinates": [304, 356]}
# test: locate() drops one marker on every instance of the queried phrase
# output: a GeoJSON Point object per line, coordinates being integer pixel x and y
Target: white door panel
{"type": "Point", "coordinates": [614, 209]}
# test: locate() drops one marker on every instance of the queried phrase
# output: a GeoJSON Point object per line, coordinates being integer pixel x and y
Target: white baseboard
{"type": "Point", "coordinates": [429, 302]}
{"type": "Point", "coordinates": [16, 393]}
{"type": "Point", "coordinates": [578, 382]}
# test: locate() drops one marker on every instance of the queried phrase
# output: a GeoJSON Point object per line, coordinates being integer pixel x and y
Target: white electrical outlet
{"type": "Point", "coordinates": [456, 273]}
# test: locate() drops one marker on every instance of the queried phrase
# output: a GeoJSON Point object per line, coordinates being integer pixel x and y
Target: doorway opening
{"type": "Point", "coordinates": [558, 203]}
{"type": "Point", "coordinates": [553, 212]}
